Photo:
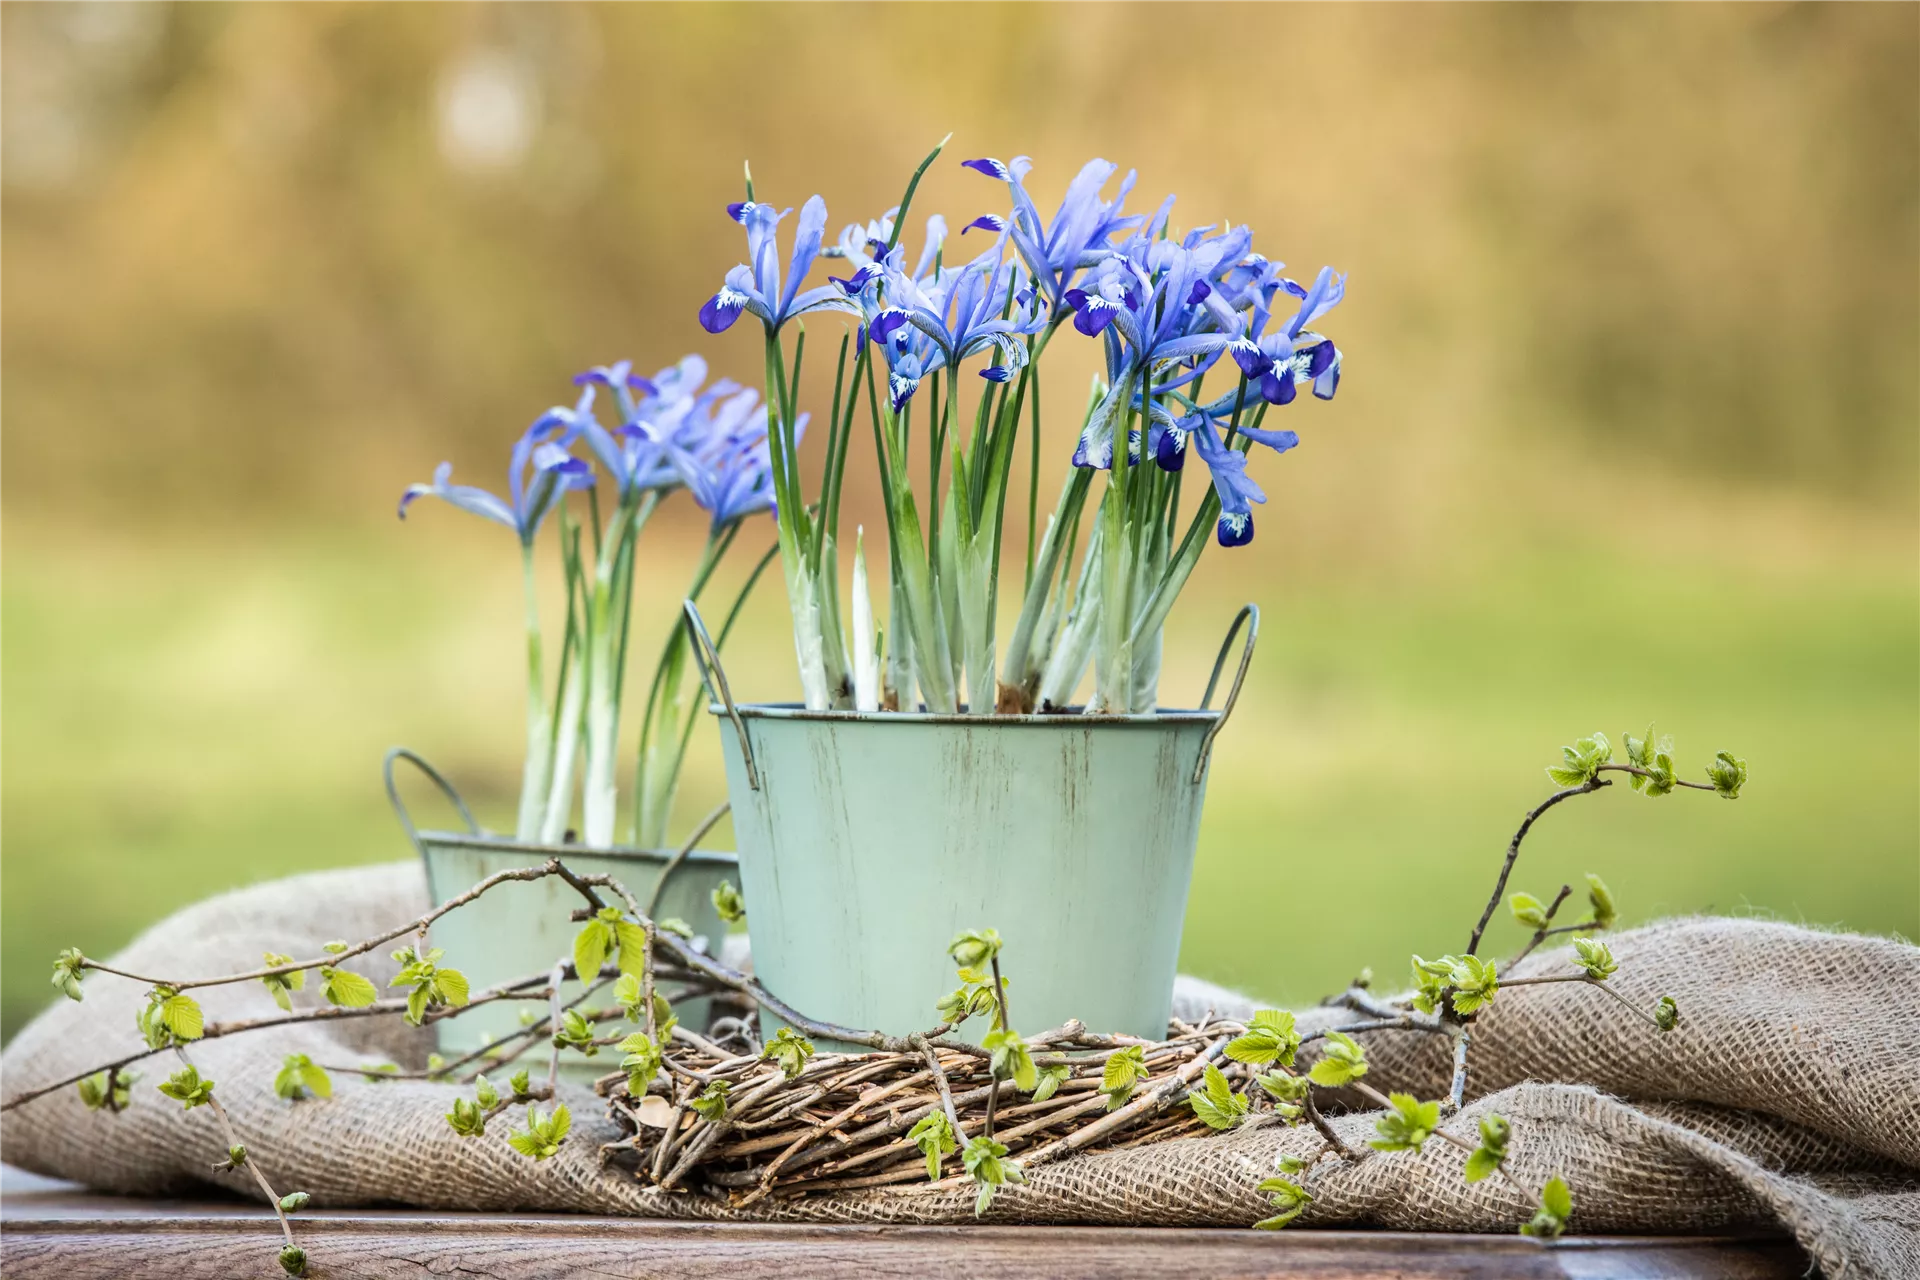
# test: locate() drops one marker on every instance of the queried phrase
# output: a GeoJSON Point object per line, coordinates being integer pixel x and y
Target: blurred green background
{"type": "Point", "coordinates": [1628, 430]}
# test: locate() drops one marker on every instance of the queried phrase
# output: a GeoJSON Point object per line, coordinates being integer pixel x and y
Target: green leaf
{"type": "Point", "coordinates": [627, 994]}
{"type": "Point", "coordinates": [187, 1088]}
{"type": "Point", "coordinates": [68, 969]}
{"type": "Point", "coordinates": [179, 1014]}
{"type": "Point", "coordinates": [1474, 982]}
{"type": "Point", "coordinates": [450, 987]}
{"type": "Point", "coordinates": [484, 1093]}
{"type": "Point", "coordinates": [1341, 1063]}
{"type": "Point", "coordinates": [975, 948]}
{"type": "Point", "coordinates": [542, 1137]}
{"type": "Point", "coordinates": [1528, 911]}
{"type": "Point", "coordinates": [520, 1083]}
{"type": "Point", "coordinates": [985, 1161]}
{"type": "Point", "coordinates": [335, 947]}
{"type": "Point", "coordinates": [1430, 983]}
{"type": "Point", "coordinates": [641, 1063]}
{"type": "Point", "coordinates": [96, 1094]}
{"type": "Point", "coordinates": [1556, 1206]}
{"type": "Point", "coordinates": [1407, 1126]}
{"type": "Point", "coordinates": [468, 1119]}
{"type": "Point", "coordinates": [1580, 763]}
{"type": "Point", "coordinates": [1283, 1087]}
{"type": "Point", "coordinates": [299, 1075]}
{"type": "Point", "coordinates": [1601, 897]}
{"type": "Point", "coordinates": [663, 1020]}
{"type": "Point", "coordinates": [791, 1050]}
{"type": "Point", "coordinates": [964, 1002]}
{"type": "Point", "coordinates": [295, 1201]}
{"type": "Point", "coordinates": [591, 947]}
{"type": "Point", "coordinates": [1596, 958]}
{"type": "Point", "coordinates": [347, 989]}
{"type": "Point", "coordinates": [1126, 1068]}
{"type": "Point", "coordinates": [1270, 1037]}
{"type": "Point", "coordinates": [674, 925]}
{"type": "Point", "coordinates": [1012, 1059]}
{"type": "Point", "coordinates": [1666, 1014]}
{"type": "Point", "coordinates": [1556, 1197]}
{"type": "Point", "coordinates": [575, 1032]}
{"type": "Point", "coordinates": [934, 1135]}
{"type": "Point", "coordinates": [1215, 1102]}
{"type": "Point", "coordinates": [293, 1260]}
{"type": "Point", "coordinates": [1287, 1196]}
{"type": "Point", "coordinates": [1492, 1151]}
{"type": "Point", "coordinates": [417, 1004]}
{"type": "Point", "coordinates": [712, 1100]}
{"type": "Point", "coordinates": [1051, 1078]}
{"type": "Point", "coordinates": [1727, 774]}
{"type": "Point", "coordinates": [1481, 1165]}
{"type": "Point", "coordinates": [728, 902]}
{"type": "Point", "coordinates": [630, 940]}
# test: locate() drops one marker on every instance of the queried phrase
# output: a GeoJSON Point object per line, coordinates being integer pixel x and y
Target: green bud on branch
{"type": "Point", "coordinates": [1215, 1102]}
{"type": "Point", "coordinates": [68, 969]}
{"type": "Point", "coordinates": [728, 902]}
{"type": "Point", "coordinates": [542, 1137]}
{"type": "Point", "coordinates": [1556, 1206]}
{"type": "Point", "coordinates": [1408, 1125]}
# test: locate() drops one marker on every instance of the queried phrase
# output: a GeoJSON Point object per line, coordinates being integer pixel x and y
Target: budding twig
{"type": "Point", "coordinates": [233, 1142]}
{"type": "Point", "coordinates": [550, 868]}
{"type": "Point", "coordinates": [1513, 852]}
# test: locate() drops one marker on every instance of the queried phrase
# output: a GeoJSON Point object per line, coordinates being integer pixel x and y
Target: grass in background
{"type": "Point", "coordinates": [180, 721]}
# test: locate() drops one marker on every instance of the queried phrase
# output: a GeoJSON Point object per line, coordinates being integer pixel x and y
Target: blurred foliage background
{"type": "Point", "coordinates": [1628, 430]}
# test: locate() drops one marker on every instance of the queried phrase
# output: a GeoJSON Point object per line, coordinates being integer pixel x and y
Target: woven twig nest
{"type": "Point", "coordinates": [842, 1121]}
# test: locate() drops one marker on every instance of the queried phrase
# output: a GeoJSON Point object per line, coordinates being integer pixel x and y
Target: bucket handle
{"type": "Point", "coordinates": [707, 655]}
{"type": "Point", "coordinates": [400, 806]}
{"type": "Point", "coordinates": [1249, 613]}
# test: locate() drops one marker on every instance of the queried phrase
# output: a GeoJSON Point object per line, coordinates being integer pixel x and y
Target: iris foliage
{"type": "Point", "coordinates": [1171, 310]}
{"type": "Point", "coordinates": [676, 430]}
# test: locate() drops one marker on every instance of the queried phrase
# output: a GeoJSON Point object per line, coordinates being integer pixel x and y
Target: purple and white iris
{"type": "Point", "coordinates": [757, 286]}
{"type": "Point", "coordinates": [539, 474]}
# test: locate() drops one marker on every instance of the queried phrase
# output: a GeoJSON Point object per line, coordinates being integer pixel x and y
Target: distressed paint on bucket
{"type": "Point", "coordinates": [872, 839]}
{"type": "Point", "coordinates": [516, 929]}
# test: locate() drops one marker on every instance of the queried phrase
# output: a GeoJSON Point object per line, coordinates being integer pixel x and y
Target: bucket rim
{"type": "Point", "coordinates": [617, 852]}
{"type": "Point", "coordinates": [1069, 719]}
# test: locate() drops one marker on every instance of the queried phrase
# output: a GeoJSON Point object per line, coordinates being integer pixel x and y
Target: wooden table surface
{"type": "Point", "coordinates": [58, 1231]}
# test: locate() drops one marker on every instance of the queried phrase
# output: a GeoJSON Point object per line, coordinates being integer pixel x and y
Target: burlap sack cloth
{"type": "Point", "coordinates": [1789, 1097]}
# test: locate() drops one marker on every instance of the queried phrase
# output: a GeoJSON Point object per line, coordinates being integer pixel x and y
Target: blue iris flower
{"type": "Point", "coordinates": [863, 287]}
{"type": "Point", "coordinates": [756, 285]}
{"type": "Point", "coordinates": [539, 474]}
{"type": "Point", "coordinates": [723, 455]}
{"type": "Point", "coordinates": [1080, 231]}
{"type": "Point", "coordinates": [939, 321]}
{"type": "Point", "coordinates": [1158, 303]}
{"type": "Point", "coordinates": [1297, 353]}
{"type": "Point", "coordinates": [1236, 489]}
{"type": "Point", "coordinates": [636, 454]}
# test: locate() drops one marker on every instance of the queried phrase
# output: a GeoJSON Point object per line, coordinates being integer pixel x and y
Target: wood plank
{"type": "Point", "coordinates": [55, 1231]}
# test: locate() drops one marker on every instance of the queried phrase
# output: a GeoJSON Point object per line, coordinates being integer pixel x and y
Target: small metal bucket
{"type": "Point", "coordinates": [867, 841]}
{"type": "Point", "coordinates": [517, 929]}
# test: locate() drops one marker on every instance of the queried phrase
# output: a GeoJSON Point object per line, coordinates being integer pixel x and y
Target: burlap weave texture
{"type": "Point", "coordinates": [1789, 1098]}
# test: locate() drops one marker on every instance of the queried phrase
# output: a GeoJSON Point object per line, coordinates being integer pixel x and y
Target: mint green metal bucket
{"type": "Point", "coordinates": [867, 841]}
{"type": "Point", "coordinates": [518, 929]}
